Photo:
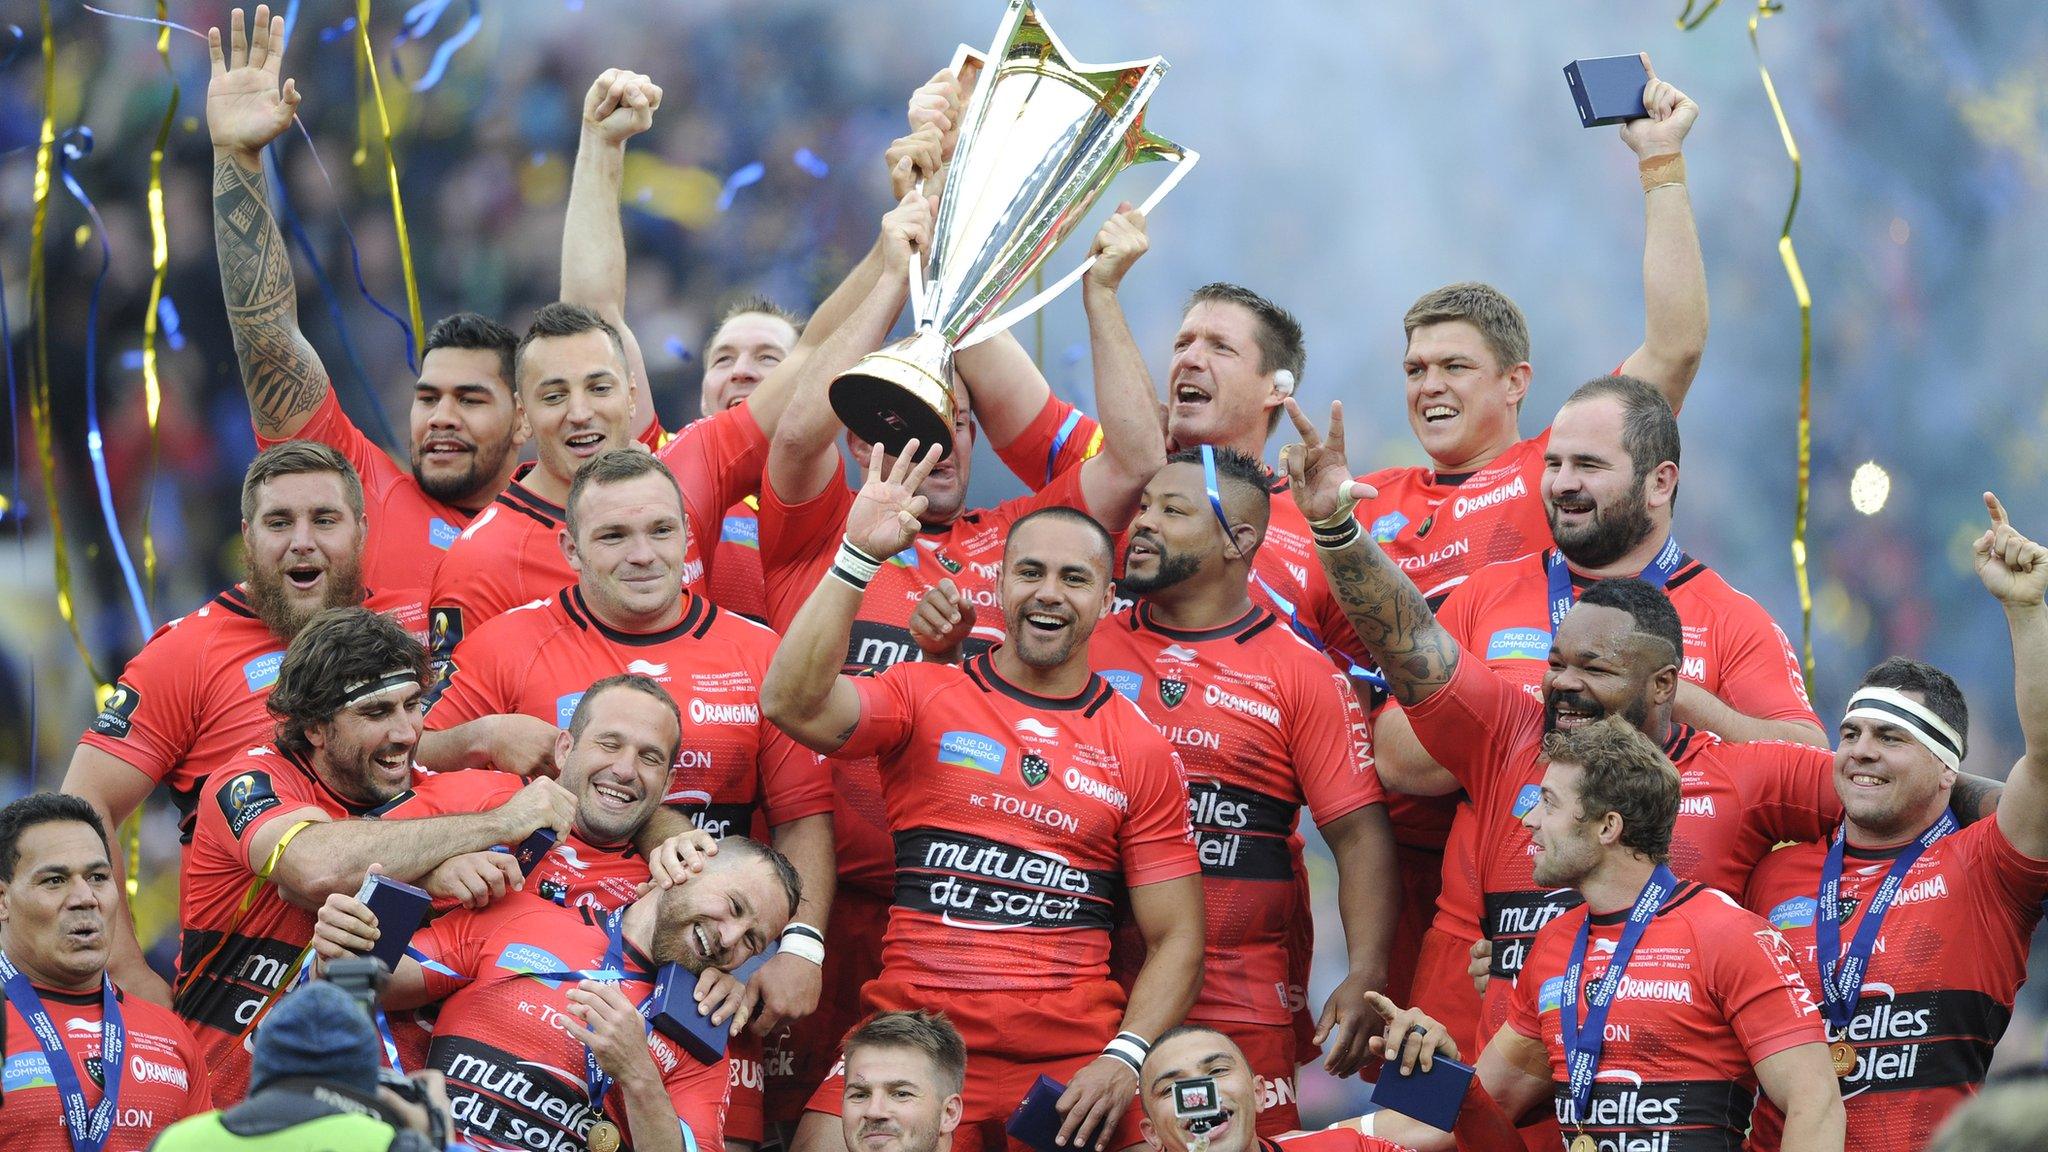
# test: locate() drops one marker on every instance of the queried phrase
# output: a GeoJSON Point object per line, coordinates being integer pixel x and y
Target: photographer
{"type": "Point", "coordinates": [315, 1081]}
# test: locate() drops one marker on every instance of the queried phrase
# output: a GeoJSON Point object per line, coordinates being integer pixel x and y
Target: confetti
{"type": "Point", "coordinates": [750, 174]}
{"type": "Point", "coordinates": [678, 349]}
{"type": "Point", "coordinates": [810, 162]}
{"type": "Point", "coordinates": [167, 312]}
{"type": "Point", "coordinates": [330, 35]}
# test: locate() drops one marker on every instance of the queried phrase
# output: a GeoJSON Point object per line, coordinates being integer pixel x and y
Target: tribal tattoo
{"type": "Point", "coordinates": [280, 371]}
{"type": "Point", "coordinates": [1391, 617]}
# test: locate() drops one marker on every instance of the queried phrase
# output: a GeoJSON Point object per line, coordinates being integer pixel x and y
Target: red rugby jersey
{"type": "Point", "coordinates": [1940, 986]}
{"type": "Point", "coordinates": [798, 542]}
{"type": "Point", "coordinates": [735, 578]}
{"type": "Point", "coordinates": [1441, 527]}
{"type": "Point", "coordinates": [230, 963]}
{"type": "Point", "coordinates": [165, 1079]}
{"type": "Point", "coordinates": [1735, 802]}
{"type": "Point", "coordinates": [538, 659]}
{"type": "Point", "coordinates": [515, 1079]}
{"type": "Point", "coordinates": [1262, 725]}
{"type": "Point", "coordinates": [1710, 992]}
{"type": "Point", "coordinates": [1330, 1140]}
{"type": "Point", "coordinates": [410, 531]}
{"type": "Point", "coordinates": [193, 697]}
{"type": "Point", "coordinates": [1019, 822]}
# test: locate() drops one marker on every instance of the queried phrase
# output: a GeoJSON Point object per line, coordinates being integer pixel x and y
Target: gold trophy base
{"type": "Point", "coordinates": [900, 393]}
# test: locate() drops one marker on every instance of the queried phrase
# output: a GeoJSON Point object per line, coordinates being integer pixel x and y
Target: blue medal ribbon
{"type": "Point", "coordinates": [1841, 977]}
{"type": "Point", "coordinates": [1559, 574]}
{"type": "Point", "coordinates": [1582, 1045]}
{"type": "Point", "coordinates": [598, 1082]}
{"type": "Point", "coordinates": [88, 1129]}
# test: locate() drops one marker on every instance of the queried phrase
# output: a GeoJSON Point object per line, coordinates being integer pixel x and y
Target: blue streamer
{"type": "Point", "coordinates": [17, 510]}
{"type": "Point", "coordinates": [76, 145]}
{"type": "Point", "coordinates": [20, 38]}
{"type": "Point", "coordinates": [749, 174]}
{"type": "Point", "coordinates": [419, 20]}
{"type": "Point", "coordinates": [355, 254]}
{"type": "Point", "coordinates": [141, 20]}
{"type": "Point", "coordinates": [811, 162]}
{"type": "Point", "coordinates": [330, 35]}
{"type": "Point", "coordinates": [678, 349]}
{"type": "Point", "coordinates": [167, 313]}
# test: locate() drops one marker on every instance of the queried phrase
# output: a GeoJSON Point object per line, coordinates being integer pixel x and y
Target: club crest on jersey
{"type": "Point", "coordinates": [947, 562]}
{"type": "Point", "coordinates": [972, 750]}
{"type": "Point", "coordinates": [553, 889]}
{"type": "Point", "coordinates": [441, 534]}
{"type": "Point", "coordinates": [1172, 692]}
{"type": "Point", "coordinates": [1033, 769]}
{"type": "Point", "coordinates": [1388, 526]}
{"type": "Point", "coordinates": [1125, 681]}
{"type": "Point", "coordinates": [244, 798]}
{"type": "Point", "coordinates": [1798, 912]}
{"type": "Point", "coordinates": [117, 713]}
{"type": "Point", "coordinates": [97, 1069]}
{"type": "Point", "coordinates": [1526, 800]}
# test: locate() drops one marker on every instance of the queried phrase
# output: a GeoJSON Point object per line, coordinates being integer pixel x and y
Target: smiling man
{"type": "Point", "coordinates": [905, 1072]}
{"type": "Point", "coordinates": [193, 698]}
{"type": "Point", "coordinates": [542, 1034]}
{"type": "Point", "coordinates": [81, 1058]}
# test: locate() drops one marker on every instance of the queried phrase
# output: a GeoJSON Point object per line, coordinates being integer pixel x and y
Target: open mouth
{"type": "Point", "coordinates": [1210, 1126]}
{"type": "Point", "coordinates": [394, 762]}
{"type": "Point", "coordinates": [613, 798]}
{"type": "Point", "coordinates": [445, 450]}
{"type": "Point", "coordinates": [1574, 506]}
{"type": "Point", "coordinates": [1866, 780]}
{"type": "Point", "coordinates": [585, 443]}
{"type": "Point", "coordinates": [1045, 623]}
{"type": "Point", "coordinates": [1438, 414]}
{"type": "Point", "coordinates": [304, 577]}
{"type": "Point", "coordinates": [1572, 713]}
{"type": "Point", "coordinates": [1187, 394]}
{"type": "Point", "coordinates": [1141, 546]}
{"type": "Point", "coordinates": [701, 940]}
{"type": "Point", "coordinates": [88, 935]}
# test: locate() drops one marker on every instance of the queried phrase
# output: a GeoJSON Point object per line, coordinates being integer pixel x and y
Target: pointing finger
{"type": "Point", "coordinates": [1997, 510]}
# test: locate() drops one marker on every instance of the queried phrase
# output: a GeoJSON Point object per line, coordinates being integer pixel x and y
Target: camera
{"type": "Point", "coordinates": [364, 978]}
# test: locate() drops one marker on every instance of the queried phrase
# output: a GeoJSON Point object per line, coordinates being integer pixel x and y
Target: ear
{"type": "Point", "coordinates": [1242, 539]}
{"type": "Point", "coordinates": [1611, 828]}
{"type": "Point", "coordinates": [1151, 1135]}
{"type": "Point", "coordinates": [950, 1113]}
{"type": "Point", "coordinates": [317, 733]}
{"type": "Point", "coordinates": [1661, 485]}
{"type": "Point", "coordinates": [1518, 382]}
{"type": "Point", "coordinates": [568, 546]}
{"type": "Point", "coordinates": [1664, 685]}
{"type": "Point", "coordinates": [563, 741]}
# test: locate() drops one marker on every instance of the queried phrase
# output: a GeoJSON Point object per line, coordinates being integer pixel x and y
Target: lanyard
{"type": "Point", "coordinates": [1582, 1045]}
{"type": "Point", "coordinates": [598, 1082]}
{"type": "Point", "coordinates": [1308, 634]}
{"type": "Point", "coordinates": [1657, 574]}
{"type": "Point", "coordinates": [1841, 987]}
{"type": "Point", "coordinates": [88, 1130]}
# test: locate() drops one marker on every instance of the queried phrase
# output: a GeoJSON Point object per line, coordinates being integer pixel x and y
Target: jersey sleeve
{"type": "Point", "coordinates": [700, 1094]}
{"type": "Point", "coordinates": [795, 781]}
{"type": "Point", "coordinates": [1472, 724]}
{"type": "Point", "coordinates": [1056, 441]}
{"type": "Point", "coordinates": [1332, 742]}
{"type": "Point", "coordinates": [249, 797]}
{"type": "Point", "coordinates": [1156, 842]}
{"type": "Point", "coordinates": [797, 534]}
{"type": "Point", "coordinates": [478, 580]}
{"type": "Point", "coordinates": [449, 949]}
{"type": "Point", "coordinates": [888, 713]}
{"type": "Point", "coordinates": [1760, 673]}
{"type": "Point", "coordinates": [1789, 790]}
{"type": "Point", "coordinates": [152, 718]}
{"type": "Point", "coordinates": [331, 426]}
{"type": "Point", "coordinates": [2020, 880]}
{"type": "Point", "coordinates": [1752, 972]}
{"type": "Point", "coordinates": [481, 682]}
{"type": "Point", "coordinates": [716, 461]}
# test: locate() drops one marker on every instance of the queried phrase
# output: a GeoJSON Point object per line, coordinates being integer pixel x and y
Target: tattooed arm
{"type": "Point", "coordinates": [245, 110]}
{"type": "Point", "coordinates": [1415, 652]}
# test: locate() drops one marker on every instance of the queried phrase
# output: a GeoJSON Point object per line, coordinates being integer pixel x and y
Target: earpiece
{"type": "Point", "coordinates": [1283, 380]}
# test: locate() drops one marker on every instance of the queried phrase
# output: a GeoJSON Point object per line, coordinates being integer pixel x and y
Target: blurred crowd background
{"type": "Point", "coordinates": [1354, 156]}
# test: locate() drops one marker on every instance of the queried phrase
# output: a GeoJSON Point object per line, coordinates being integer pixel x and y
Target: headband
{"type": "Point", "coordinates": [390, 681]}
{"type": "Point", "coordinates": [1891, 706]}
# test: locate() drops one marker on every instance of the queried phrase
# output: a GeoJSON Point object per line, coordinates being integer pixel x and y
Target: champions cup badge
{"type": "Point", "coordinates": [1041, 138]}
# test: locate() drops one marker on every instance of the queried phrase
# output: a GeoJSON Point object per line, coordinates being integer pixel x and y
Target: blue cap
{"type": "Point", "coordinates": [321, 1032]}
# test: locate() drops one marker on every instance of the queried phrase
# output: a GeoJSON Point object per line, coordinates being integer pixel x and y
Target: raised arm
{"type": "Point", "coordinates": [1674, 274]}
{"type": "Point", "coordinates": [333, 856]}
{"type": "Point", "coordinates": [1385, 608]}
{"type": "Point", "coordinates": [245, 110]}
{"type": "Point", "coordinates": [804, 693]}
{"type": "Point", "coordinates": [2015, 570]}
{"type": "Point", "coordinates": [801, 457]}
{"type": "Point", "coordinates": [1133, 439]}
{"type": "Point", "coordinates": [619, 106]}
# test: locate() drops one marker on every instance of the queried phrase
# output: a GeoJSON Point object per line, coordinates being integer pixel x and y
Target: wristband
{"type": "Point", "coordinates": [1130, 1048]}
{"type": "Point", "coordinates": [1659, 171]}
{"type": "Point", "coordinates": [1338, 538]}
{"type": "Point", "coordinates": [803, 941]}
{"type": "Point", "coordinates": [854, 566]}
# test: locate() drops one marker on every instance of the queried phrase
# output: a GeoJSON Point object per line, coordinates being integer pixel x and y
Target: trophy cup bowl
{"type": "Point", "coordinates": [1041, 139]}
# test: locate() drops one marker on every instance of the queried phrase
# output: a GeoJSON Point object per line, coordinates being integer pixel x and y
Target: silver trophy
{"type": "Point", "coordinates": [1041, 138]}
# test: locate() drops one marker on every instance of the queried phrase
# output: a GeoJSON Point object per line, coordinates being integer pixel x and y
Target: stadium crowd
{"type": "Point", "coordinates": [751, 807]}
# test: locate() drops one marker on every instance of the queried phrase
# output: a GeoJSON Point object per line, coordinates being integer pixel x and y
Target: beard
{"type": "Point", "coordinates": [284, 616]}
{"type": "Point", "coordinates": [1609, 534]}
{"type": "Point", "coordinates": [463, 487]}
{"type": "Point", "coordinates": [1564, 865]}
{"type": "Point", "coordinates": [1173, 568]}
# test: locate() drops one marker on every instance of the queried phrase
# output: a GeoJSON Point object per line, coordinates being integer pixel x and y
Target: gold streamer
{"type": "Point", "coordinates": [159, 265]}
{"type": "Point", "coordinates": [39, 348]}
{"type": "Point", "coordinates": [1789, 256]}
{"type": "Point", "coordinates": [369, 64]}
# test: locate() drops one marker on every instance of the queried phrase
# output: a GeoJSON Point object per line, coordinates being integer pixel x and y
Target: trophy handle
{"type": "Point", "coordinates": [1151, 146]}
{"type": "Point", "coordinates": [963, 56]}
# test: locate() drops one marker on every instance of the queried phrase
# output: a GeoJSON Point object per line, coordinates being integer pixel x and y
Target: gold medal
{"type": "Point", "coordinates": [604, 1137]}
{"type": "Point", "coordinates": [1840, 1053]}
{"type": "Point", "coordinates": [1585, 1143]}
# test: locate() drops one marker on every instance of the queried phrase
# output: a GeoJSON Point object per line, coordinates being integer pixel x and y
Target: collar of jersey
{"type": "Point", "coordinates": [1141, 618]}
{"type": "Point", "coordinates": [1686, 891]}
{"type": "Point", "coordinates": [1688, 567]}
{"type": "Point", "coordinates": [305, 768]}
{"type": "Point", "coordinates": [518, 495]}
{"type": "Point", "coordinates": [982, 670]}
{"type": "Point", "coordinates": [636, 961]}
{"type": "Point", "coordinates": [695, 621]}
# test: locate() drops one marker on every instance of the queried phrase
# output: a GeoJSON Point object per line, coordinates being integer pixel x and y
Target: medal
{"type": "Point", "coordinates": [1583, 1041]}
{"type": "Point", "coordinates": [1843, 1056]}
{"type": "Point", "coordinates": [1842, 969]}
{"type": "Point", "coordinates": [604, 1137]}
{"type": "Point", "coordinates": [1585, 1143]}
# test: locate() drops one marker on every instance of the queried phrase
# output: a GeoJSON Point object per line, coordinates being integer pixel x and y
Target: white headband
{"type": "Point", "coordinates": [1893, 707]}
